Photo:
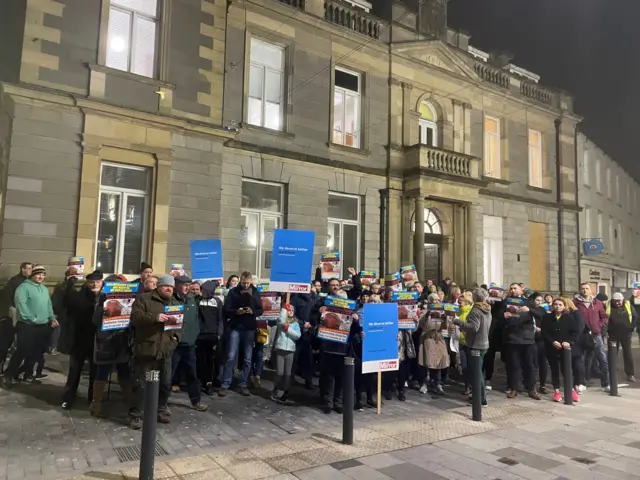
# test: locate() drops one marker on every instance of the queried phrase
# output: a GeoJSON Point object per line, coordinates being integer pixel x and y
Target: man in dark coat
{"type": "Point", "coordinates": [208, 358]}
{"type": "Point", "coordinates": [7, 310]}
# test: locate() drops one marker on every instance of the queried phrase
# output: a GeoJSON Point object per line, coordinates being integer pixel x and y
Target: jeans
{"type": "Point", "coordinates": [183, 365]}
{"type": "Point", "coordinates": [331, 368]}
{"type": "Point", "coordinates": [140, 368]}
{"type": "Point", "coordinates": [465, 363]}
{"type": "Point", "coordinates": [599, 356]}
{"type": "Point", "coordinates": [76, 364]}
{"type": "Point", "coordinates": [435, 376]}
{"type": "Point", "coordinates": [625, 343]}
{"type": "Point", "coordinates": [238, 339]}
{"type": "Point", "coordinates": [520, 360]}
{"type": "Point", "coordinates": [31, 342]}
{"type": "Point", "coordinates": [577, 366]}
{"type": "Point", "coordinates": [55, 338]}
{"type": "Point", "coordinates": [257, 359]}
{"type": "Point", "coordinates": [104, 370]}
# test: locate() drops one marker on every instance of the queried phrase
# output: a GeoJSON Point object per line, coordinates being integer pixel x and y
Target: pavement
{"type": "Point", "coordinates": [253, 438]}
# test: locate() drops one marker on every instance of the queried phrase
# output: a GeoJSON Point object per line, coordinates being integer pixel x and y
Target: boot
{"type": "Point", "coordinates": [125, 386]}
{"type": "Point", "coordinates": [96, 404]}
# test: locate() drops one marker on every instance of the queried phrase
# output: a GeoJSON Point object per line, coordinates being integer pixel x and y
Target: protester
{"type": "Point", "coordinates": [534, 302]}
{"type": "Point", "coordinates": [81, 306]}
{"type": "Point", "coordinates": [232, 281]}
{"type": "Point", "coordinates": [622, 320]}
{"type": "Point", "coordinates": [433, 355]}
{"type": "Point", "coordinates": [195, 289]}
{"type": "Point", "coordinates": [35, 318]}
{"type": "Point", "coordinates": [241, 307]}
{"type": "Point", "coordinates": [577, 351]}
{"type": "Point", "coordinates": [145, 272]}
{"type": "Point", "coordinates": [208, 358]}
{"type": "Point", "coordinates": [287, 333]}
{"type": "Point", "coordinates": [363, 382]}
{"type": "Point", "coordinates": [8, 310]}
{"type": "Point", "coordinates": [153, 347]}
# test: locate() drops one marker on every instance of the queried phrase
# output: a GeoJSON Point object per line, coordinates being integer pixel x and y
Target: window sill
{"type": "Point", "coordinates": [269, 131]}
{"type": "Point", "coordinates": [344, 148]}
{"type": "Point", "coordinates": [496, 180]}
{"type": "Point", "coordinates": [131, 76]}
{"type": "Point", "coordinates": [538, 189]}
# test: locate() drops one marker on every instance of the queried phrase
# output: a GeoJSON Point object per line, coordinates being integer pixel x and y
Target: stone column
{"type": "Point", "coordinates": [472, 244]}
{"type": "Point", "coordinates": [418, 238]}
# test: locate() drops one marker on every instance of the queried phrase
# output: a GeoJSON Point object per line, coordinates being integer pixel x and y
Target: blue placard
{"type": "Point", "coordinates": [292, 261]}
{"type": "Point", "coordinates": [206, 260]}
{"type": "Point", "coordinates": [380, 343]}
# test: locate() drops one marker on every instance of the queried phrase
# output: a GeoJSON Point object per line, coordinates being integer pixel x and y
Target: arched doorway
{"type": "Point", "coordinates": [432, 244]}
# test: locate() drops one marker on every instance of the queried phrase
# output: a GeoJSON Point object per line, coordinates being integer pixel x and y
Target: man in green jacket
{"type": "Point", "coordinates": [155, 337]}
{"type": "Point", "coordinates": [35, 318]}
{"type": "Point", "coordinates": [184, 356]}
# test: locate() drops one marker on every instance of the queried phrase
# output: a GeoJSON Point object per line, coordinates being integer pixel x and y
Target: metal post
{"type": "Point", "coordinates": [567, 375]}
{"type": "Point", "coordinates": [150, 420]}
{"type": "Point", "coordinates": [347, 400]}
{"type": "Point", "coordinates": [612, 355]}
{"type": "Point", "coordinates": [476, 392]}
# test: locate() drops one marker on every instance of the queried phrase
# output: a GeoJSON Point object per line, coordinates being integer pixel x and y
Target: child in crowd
{"type": "Point", "coordinates": [287, 333]}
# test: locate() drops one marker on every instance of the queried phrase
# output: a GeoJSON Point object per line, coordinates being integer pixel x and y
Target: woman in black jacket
{"type": "Point", "coordinates": [560, 332]}
{"type": "Point", "coordinates": [540, 357]}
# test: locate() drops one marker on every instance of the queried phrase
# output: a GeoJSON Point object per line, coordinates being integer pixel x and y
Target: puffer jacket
{"type": "Point", "coordinates": [286, 340]}
{"type": "Point", "coordinates": [150, 338]}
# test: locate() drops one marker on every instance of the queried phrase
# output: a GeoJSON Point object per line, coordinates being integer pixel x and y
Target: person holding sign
{"type": "Point", "coordinates": [153, 345]}
{"type": "Point", "coordinates": [287, 333]}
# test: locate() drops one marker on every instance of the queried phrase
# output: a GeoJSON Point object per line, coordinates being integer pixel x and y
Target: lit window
{"type": "Point", "coordinates": [122, 219]}
{"type": "Point", "coordinates": [428, 124]}
{"type": "Point", "coordinates": [493, 249]}
{"type": "Point", "coordinates": [344, 229]}
{"type": "Point", "coordinates": [131, 36]}
{"type": "Point", "coordinates": [266, 85]}
{"type": "Point", "coordinates": [492, 161]}
{"type": "Point", "coordinates": [432, 223]}
{"type": "Point", "coordinates": [262, 207]}
{"type": "Point", "coordinates": [346, 108]}
{"type": "Point", "coordinates": [535, 158]}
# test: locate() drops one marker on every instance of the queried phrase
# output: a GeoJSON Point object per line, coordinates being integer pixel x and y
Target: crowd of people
{"type": "Point", "coordinates": [221, 338]}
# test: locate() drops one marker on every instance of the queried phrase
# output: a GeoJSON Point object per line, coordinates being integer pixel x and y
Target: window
{"type": "Point", "coordinates": [266, 85]}
{"type": "Point", "coordinates": [131, 36]}
{"type": "Point", "coordinates": [629, 207]}
{"type": "Point", "coordinates": [344, 230]}
{"type": "Point", "coordinates": [612, 236]}
{"type": "Point", "coordinates": [598, 176]}
{"type": "Point", "coordinates": [492, 247]}
{"type": "Point", "coordinates": [619, 234]}
{"type": "Point", "coordinates": [346, 108]}
{"type": "Point", "coordinates": [587, 222]}
{"type": "Point", "coordinates": [261, 211]}
{"type": "Point", "coordinates": [492, 162]}
{"type": "Point", "coordinates": [428, 124]}
{"type": "Point", "coordinates": [600, 227]}
{"type": "Point", "coordinates": [122, 219]}
{"type": "Point", "coordinates": [586, 169]}
{"type": "Point", "coordinates": [609, 183]}
{"type": "Point", "coordinates": [618, 193]}
{"type": "Point", "coordinates": [432, 223]}
{"type": "Point", "coordinates": [535, 158]}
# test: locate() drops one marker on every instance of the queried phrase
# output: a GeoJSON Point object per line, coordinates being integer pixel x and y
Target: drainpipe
{"type": "Point", "coordinates": [560, 210]}
{"type": "Point", "coordinates": [575, 143]}
{"type": "Point", "coordinates": [384, 199]}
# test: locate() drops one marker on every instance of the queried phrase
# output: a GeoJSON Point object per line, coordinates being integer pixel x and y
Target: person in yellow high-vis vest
{"type": "Point", "coordinates": [622, 321]}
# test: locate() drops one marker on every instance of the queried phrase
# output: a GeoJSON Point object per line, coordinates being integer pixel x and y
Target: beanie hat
{"type": "Point", "coordinates": [166, 281]}
{"type": "Point", "coordinates": [144, 266]}
{"type": "Point", "coordinates": [618, 296]}
{"type": "Point", "coordinates": [37, 269]}
{"type": "Point", "coordinates": [95, 275]}
{"type": "Point", "coordinates": [288, 307]}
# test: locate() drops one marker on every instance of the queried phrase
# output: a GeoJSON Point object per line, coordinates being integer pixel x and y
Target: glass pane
{"type": "Point", "coordinates": [269, 225]}
{"type": "Point", "coordinates": [350, 247]}
{"type": "Point", "coordinates": [148, 7]}
{"type": "Point", "coordinates": [255, 81]}
{"type": "Point", "coordinates": [249, 242]}
{"type": "Point", "coordinates": [107, 242]}
{"type": "Point", "coordinates": [273, 86]}
{"type": "Point", "coordinates": [121, 177]}
{"type": "Point", "coordinates": [426, 112]}
{"type": "Point", "coordinates": [118, 40]}
{"type": "Point", "coordinates": [344, 208]}
{"type": "Point", "coordinates": [265, 54]}
{"type": "Point", "coordinates": [133, 234]}
{"type": "Point", "coordinates": [272, 116]}
{"type": "Point", "coordinates": [255, 112]}
{"type": "Point", "coordinates": [333, 237]}
{"type": "Point", "coordinates": [338, 117]}
{"type": "Point", "coordinates": [262, 196]}
{"type": "Point", "coordinates": [144, 50]}
{"type": "Point", "coordinates": [352, 120]}
{"type": "Point", "coordinates": [348, 81]}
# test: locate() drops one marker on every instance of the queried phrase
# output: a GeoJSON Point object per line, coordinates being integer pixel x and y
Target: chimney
{"type": "Point", "coordinates": [500, 59]}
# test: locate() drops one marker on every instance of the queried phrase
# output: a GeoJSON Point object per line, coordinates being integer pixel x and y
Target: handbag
{"type": "Point", "coordinates": [587, 340]}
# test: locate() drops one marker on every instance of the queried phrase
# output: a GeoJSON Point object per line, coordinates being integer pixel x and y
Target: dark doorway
{"type": "Point", "coordinates": [432, 263]}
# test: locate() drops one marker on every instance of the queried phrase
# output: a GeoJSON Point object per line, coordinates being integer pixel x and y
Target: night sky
{"type": "Point", "coordinates": [590, 48]}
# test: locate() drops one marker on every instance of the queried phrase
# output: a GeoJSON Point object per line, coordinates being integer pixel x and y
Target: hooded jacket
{"type": "Point", "coordinates": [621, 324]}
{"type": "Point", "coordinates": [286, 340]}
{"type": "Point", "coordinates": [210, 313]}
{"type": "Point", "coordinates": [476, 326]}
{"type": "Point", "coordinates": [592, 312]}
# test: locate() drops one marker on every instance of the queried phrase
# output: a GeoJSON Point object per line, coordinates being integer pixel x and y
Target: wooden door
{"type": "Point", "coordinates": [538, 257]}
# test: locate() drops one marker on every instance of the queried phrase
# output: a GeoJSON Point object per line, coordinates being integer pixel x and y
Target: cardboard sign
{"type": "Point", "coordinates": [206, 260]}
{"type": "Point", "coordinates": [335, 321]}
{"type": "Point", "coordinates": [292, 261]}
{"type": "Point", "coordinates": [330, 266]}
{"type": "Point", "coordinates": [380, 343]}
{"type": "Point", "coordinates": [407, 309]}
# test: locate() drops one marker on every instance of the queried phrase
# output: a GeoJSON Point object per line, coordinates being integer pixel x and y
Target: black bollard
{"type": "Point", "coordinates": [612, 354]}
{"type": "Point", "coordinates": [476, 387]}
{"type": "Point", "coordinates": [567, 376]}
{"type": "Point", "coordinates": [347, 400]}
{"type": "Point", "coordinates": [149, 423]}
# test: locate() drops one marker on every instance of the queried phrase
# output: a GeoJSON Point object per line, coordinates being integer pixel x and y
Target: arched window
{"type": "Point", "coordinates": [432, 223]}
{"type": "Point", "coordinates": [428, 125]}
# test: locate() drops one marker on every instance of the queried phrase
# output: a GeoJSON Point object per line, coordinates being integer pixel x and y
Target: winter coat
{"type": "Point", "coordinates": [81, 306]}
{"type": "Point", "coordinates": [621, 324]}
{"type": "Point", "coordinates": [476, 327]}
{"type": "Point", "coordinates": [113, 346]}
{"type": "Point", "coordinates": [65, 343]}
{"type": "Point", "coordinates": [593, 314]}
{"type": "Point", "coordinates": [210, 317]}
{"type": "Point", "coordinates": [538, 314]}
{"type": "Point", "coordinates": [286, 340]}
{"type": "Point", "coordinates": [33, 304]}
{"type": "Point", "coordinates": [7, 295]}
{"type": "Point", "coordinates": [433, 351]}
{"type": "Point", "coordinates": [191, 323]}
{"type": "Point", "coordinates": [150, 340]}
{"type": "Point", "coordinates": [518, 329]}
{"type": "Point", "coordinates": [563, 329]}
{"type": "Point", "coordinates": [235, 300]}
{"type": "Point", "coordinates": [464, 311]}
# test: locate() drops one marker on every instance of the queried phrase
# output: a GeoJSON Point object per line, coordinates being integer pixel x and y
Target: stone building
{"type": "Point", "coordinates": [609, 199]}
{"type": "Point", "coordinates": [130, 127]}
